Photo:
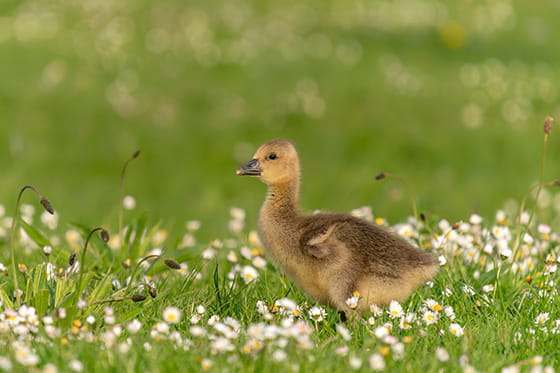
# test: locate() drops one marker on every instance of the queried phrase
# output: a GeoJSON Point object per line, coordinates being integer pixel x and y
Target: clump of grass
{"type": "Point", "coordinates": [48, 207]}
{"type": "Point", "coordinates": [245, 316]}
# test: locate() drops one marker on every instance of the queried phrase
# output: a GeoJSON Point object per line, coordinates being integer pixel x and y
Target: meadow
{"type": "Point", "coordinates": [448, 96]}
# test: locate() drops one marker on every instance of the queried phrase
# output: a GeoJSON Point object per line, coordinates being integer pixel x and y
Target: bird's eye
{"type": "Point", "coordinates": [272, 156]}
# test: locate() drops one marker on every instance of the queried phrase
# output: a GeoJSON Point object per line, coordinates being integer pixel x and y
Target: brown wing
{"type": "Point", "coordinates": [373, 248]}
{"type": "Point", "coordinates": [319, 244]}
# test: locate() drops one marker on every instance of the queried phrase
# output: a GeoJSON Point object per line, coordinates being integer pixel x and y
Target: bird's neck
{"type": "Point", "coordinates": [283, 199]}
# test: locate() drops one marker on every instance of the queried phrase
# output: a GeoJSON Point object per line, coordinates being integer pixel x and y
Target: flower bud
{"type": "Point", "coordinates": [172, 264]}
{"type": "Point", "coordinates": [47, 250]}
{"type": "Point", "coordinates": [548, 125]}
{"type": "Point", "coordinates": [47, 205]}
{"type": "Point", "coordinates": [72, 259]}
{"type": "Point", "coordinates": [104, 235]}
{"type": "Point", "coordinates": [152, 291]}
{"type": "Point", "coordinates": [138, 298]}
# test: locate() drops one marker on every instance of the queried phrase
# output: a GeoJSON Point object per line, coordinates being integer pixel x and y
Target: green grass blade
{"type": "Point", "coordinates": [34, 234]}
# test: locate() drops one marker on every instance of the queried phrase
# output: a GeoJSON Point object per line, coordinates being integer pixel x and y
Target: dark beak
{"type": "Point", "coordinates": [250, 168]}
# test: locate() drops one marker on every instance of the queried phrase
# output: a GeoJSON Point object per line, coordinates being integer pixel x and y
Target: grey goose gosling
{"type": "Point", "coordinates": [331, 256]}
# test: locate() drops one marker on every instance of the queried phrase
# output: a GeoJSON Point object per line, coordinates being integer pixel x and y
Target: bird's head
{"type": "Point", "coordinates": [275, 162]}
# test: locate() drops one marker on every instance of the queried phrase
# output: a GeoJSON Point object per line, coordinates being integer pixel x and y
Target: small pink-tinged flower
{"type": "Point", "coordinates": [442, 354]}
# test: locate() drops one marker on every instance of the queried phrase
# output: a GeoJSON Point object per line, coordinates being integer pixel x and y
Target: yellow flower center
{"type": "Point", "coordinates": [257, 251]}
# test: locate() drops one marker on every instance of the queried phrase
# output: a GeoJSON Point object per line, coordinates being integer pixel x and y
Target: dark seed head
{"type": "Point", "coordinates": [548, 125]}
{"type": "Point", "coordinates": [138, 298]}
{"type": "Point", "coordinates": [104, 235]}
{"type": "Point", "coordinates": [172, 264]}
{"type": "Point", "coordinates": [127, 263]}
{"type": "Point", "coordinates": [380, 176]}
{"type": "Point", "coordinates": [47, 205]}
{"type": "Point", "coordinates": [72, 259]}
{"type": "Point", "coordinates": [136, 154]}
{"type": "Point", "coordinates": [422, 217]}
{"type": "Point", "coordinates": [152, 291]}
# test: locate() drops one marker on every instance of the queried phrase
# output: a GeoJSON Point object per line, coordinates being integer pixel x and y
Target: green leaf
{"type": "Point", "coordinates": [39, 277]}
{"type": "Point", "coordinates": [34, 234]}
{"type": "Point", "coordinates": [64, 288]}
{"type": "Point", "coordinates": [41, 301]}
{"type": "Point", "coordinates": [5, 299]}
{"type": "Point", "coordinates": [102, 289]}
{"type": "Point", "coordinates": [137, 309]}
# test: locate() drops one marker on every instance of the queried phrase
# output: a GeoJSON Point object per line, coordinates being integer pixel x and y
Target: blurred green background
{"type": "Point", "coordinates": [450, 96]}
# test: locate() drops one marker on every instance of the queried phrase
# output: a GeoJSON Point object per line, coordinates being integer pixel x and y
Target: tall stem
{"type": "Point", "coordinates": [121, 193]}
{"type": "Point", "coordinates": [522, 229]}
{"type": "Point", "coordinates": [105, 238]}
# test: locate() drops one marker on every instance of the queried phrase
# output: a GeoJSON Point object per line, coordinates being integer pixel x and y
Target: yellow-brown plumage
{"type": "Point", "coordinates": [330, 256]}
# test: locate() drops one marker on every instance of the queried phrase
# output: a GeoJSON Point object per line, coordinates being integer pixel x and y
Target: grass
{"type": "Point", "coordinates": [144, 299]}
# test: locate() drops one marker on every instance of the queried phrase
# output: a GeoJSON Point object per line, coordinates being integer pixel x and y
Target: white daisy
{"type": "Point", "coordinates": [542, 318]}
{"type": "Point", "coordinates": [129, 203]}
{"type": "Point", "coordinates": [317, 313]}
{"type": "Point", "coordinates": [377, 362]}
{"type": "Point", "coordinates": [395, 309]}
{"type": "Point", "coordinates": [355, 362]}
{"type": "Point", "coordinates": [430, 317]}
{"type": "Point", "coordinates": [134, 326]}
{"type": "Point", "coordinates": [352, 302]}
{"type": "Point", "coordinates": [442, 354]}
{"type": "Point", "coordinates": [343, 332]}
{"type": "Point", "coordinates": [456, 329]}
{"type": "Point", "coordinates": [249, 274]}
{"type": "Point", "coordinates": [172, 315]}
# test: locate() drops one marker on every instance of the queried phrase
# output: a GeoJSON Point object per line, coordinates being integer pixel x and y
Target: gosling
{"type": "Point", "coordinates": [331, 257]}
